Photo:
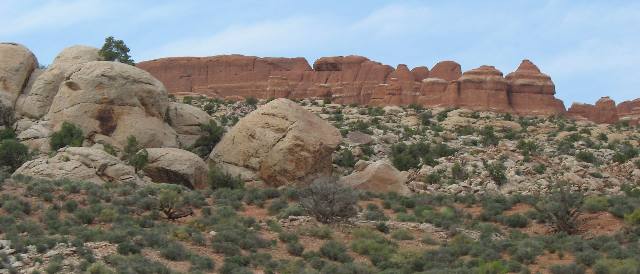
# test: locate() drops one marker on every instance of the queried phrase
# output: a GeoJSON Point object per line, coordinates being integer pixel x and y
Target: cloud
{"type": "Point", "coordinates": [264, 38]}
{"type": "Point", "coordinates": [50, 15]}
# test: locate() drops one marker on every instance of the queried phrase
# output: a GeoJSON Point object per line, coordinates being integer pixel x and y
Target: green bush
{"type": "Point", "coordinates": [561, 208]}
{"type": "Point", "coordinates": [596, 203]}
{"type": "Point", "coordinates": [68, 135]}
{"type": "Point", "coordinates": [174, 252]}
{"type": "Point", "coordinates": [402, 235]}
{"type": "Point", "coordinates": [328, 201]}
{"type": "Point", "coordinates": [488, 136]}
{"type": "Point", "coordinates": [13, 154]}
{"type": "Point", "coordinates": [346, 158]}
{"type": "Point", "coordinates": [295, 249]}
{"type": "Point", "coordinates": [540, 168]}
{"type": "Point", "coordinates": [633, 218]}
{"type": "Point", "coordinates": [613, 266]}
{"type": "Point", "coordinates": [515, 220]}
{"type": "Point", "coordinates": [335, 251]}
{"type": "Point", "coordinates": [220, 179]}
{"type": "Point", "coordinates": [139, 160]}
{"type": "Point", "coordinates": [496, 171]}
{"type": "Point", "coordinates": [115, 50]}
{"type": "Point", "coordinates": [128, 248]}
{"type": "Point", "coordinates": [586, 156]}
{"type": "Point", "coordinates": [567, 269]}
{"type": "Point", "coordinates": [211, 134]}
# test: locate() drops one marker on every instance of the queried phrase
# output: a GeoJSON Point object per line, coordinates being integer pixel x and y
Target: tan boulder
{"type": "Point", "coordinates": [378, 177]}
{"type": "Point", "coordinates": [16, 65]}
{"type": "Point", "coordinates": [186, 120]}
{"type": "Point", "coordinates": [176, 166]}
{"type": "Point", "coordinates": [37, 97]}
{"type": "Point", "coordinates": [81, 164]}
{"type": "Point", "coordinates": [115, 100]}
{"type": "Point", "coordinates": [280, 142]}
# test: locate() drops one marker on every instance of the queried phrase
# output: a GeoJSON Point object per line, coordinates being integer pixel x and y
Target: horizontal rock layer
{"type": "Point", "coordinates": [358, 80]}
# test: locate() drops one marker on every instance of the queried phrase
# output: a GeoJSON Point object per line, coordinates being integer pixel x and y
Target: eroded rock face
{"type": "Point", "coordinates": [280, 142]}
{"type": "Point", "coordinates": [377, 177]}
{"type": "Point", "coordinates": [629, 111]}
{"type": "Point", "coordinates": [114, 100]}
{"type": "Point", "coordinates": [176, 166]}
{"type": "Point", "coordinates": [38, 96]}
{"type": "Point", "coordinates": [16, 65]}
{"type": "Point", "coordinates": [358, 80]}
{"type": "Point", "coordinates": [81, 164]}
{"type": "Point", "coordinates": [604, 111]}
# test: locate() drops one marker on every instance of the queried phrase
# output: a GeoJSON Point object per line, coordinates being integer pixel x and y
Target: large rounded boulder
{"type": "Point", "coordinates": [37, 97]}
{"type": "Point", "coordinates": [81, 164]}
{"type": "Point", "coordinates": [16, 65]}
{"type": "Point", "coordinates": [281, 143]}
{"type": "Point", "coordinates": [186, 120]}
{"type": "Point", "coordinates": [112, 101]}
{"type": "Point", "coordinates": [176, 166]}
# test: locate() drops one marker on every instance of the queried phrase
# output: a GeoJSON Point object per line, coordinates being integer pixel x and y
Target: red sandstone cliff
{"type": "Point", "coordinates": [358, 80]}
{"type": "Point", "coordinates": [606, 111]}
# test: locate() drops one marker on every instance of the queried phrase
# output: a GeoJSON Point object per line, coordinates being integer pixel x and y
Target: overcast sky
{"type": "Point", "coordinates": [590, 48]}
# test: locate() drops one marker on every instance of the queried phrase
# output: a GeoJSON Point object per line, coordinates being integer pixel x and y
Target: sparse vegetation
{"type": "Point", "coordinates": [68, 135]}
{"type": "Point", "coordinates": [115, 50]}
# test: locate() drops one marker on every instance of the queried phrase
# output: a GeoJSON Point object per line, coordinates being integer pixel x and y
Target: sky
{"type": "Point", "coordinates": [589, 48]}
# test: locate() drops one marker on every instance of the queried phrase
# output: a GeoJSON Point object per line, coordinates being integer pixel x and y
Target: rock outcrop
{"type": "Point", "coordinates": [176, 166]}
{"type": "Point", "coordinates": [81, 164]}
{"type": "Point", "coordinates": [38, 96]}
{"type": "Point", "coordinates": [112, 101]}
{"type": "Point", "coordinates": [358, 80]}
{"type": "Point", "coordinates": [16, 65]}
{"type": "Point", "coordinates": [377, 177]}
{"type": "Point", "coordinates": [280, 143]}
{"type": "Point", "coordinates": [629, 111]}
{"type": "Point", "coordinates": [604, 111]}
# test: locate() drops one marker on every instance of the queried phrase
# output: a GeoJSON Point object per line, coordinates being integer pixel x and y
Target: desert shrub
{"type": "Point", "coordinates": [291, 210]}
{"type": "Point", "coordinates": [13, 154]}
{"type": "Point", "coordinates": [526, 251]}
{"type": "Point", "coordinates": [131, 148]}
{"type": "Point", "coordinates": [515, 220]}
{"type": "Point", "coordinates": [586, 156]}
{"type": "Point", "coordinates": [527, 147]}
{"type": "Point", "coordinates": [171, 203]}
{"type": "Point", "coordinates": [496, 171]}
{"type": "Point", "coordinates": [127, 248]}
{"type": "Point", "coordinates": [488, 136]}
{"type": "Point", "coordinates": [346, 158]}
{"type": "Point", "coordinates": [139, 160]}
{"type": "Point", "coordinates": [458, 172]}
{"type": "Point", "coordinates": [295, 249]}
{"type": "Point", "coordinates": [288, 237]}
{"type": "Point", "coordinates": [68, 135]}
{"type": "Point", "coordinates": [587, 257]}
{"type": "Point", "coordinates": [625, 152]}
{"type": "Point", "coordinates": [492, 267]}
{"type": "Point", "coordinates": [561, 208]}
{"type": "Point", "coordinates": [335, 251]}
{"type": "Point", "coordinates": [135, 264]}
{"type": "Point", "coordinates": [596, 203]}
{"type": "Point", "coordinates": [633, 218]}
{"type": "Point", "coordinates": [374, 213]}
{"type": "Point", "coordinates": [539, 168]}
{"type": "Point", "coordinates": [7, 133]}
{"type": "Point", "coordinates": [251, 101]}
{"type": "Point", "coordinates": [6, 115]}
{"type": "Point", "coordinates": [219, 179]}
{"type": "Point", "coordinates": [402, 235]}
{"type": "Point", "coordinates": [174, 251]}
{"type": "Point", "coordinates": [567, 269]}
{"type": "Point", "coordinates": [320, 232]}
{"type": "Point", "coordinates": [277, 205]}
{"type": "Point", "coordinates": [613, 266]}
{"type": "Point", "coordinates": [211, 134]}
{"type": "Point", "coordinates": [328, 201]}
{"type": "Point", "coordinates": [115, 50]}
{"type": "Point", "coordinates": [201, 263]}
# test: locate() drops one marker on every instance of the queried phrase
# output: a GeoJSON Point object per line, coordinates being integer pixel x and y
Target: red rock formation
{"type": "Point", "coordinates": [629, 111]}
{"type": "Point", "coordinates": [358, 80]}
{"type": "Point", "coordinates": [604, 111]}
{"type": "Point", "coordinates": [531, 91]}
{"type": "Point", "coordinates": [446, 70]}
